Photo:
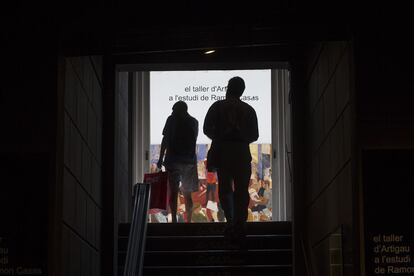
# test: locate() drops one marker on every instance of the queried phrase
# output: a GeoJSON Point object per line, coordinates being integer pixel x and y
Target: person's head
{"type": "Point", "coordinates": [235, 87]}
{"type": "Point", "coordinates": [180, 108]}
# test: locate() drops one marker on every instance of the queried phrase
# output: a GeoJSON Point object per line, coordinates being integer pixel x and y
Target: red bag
{"type": "Point", "coordinates": [159, 189]}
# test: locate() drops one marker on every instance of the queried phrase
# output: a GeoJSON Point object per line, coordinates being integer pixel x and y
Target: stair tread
{"type": "Point", "coordinates": [216, 236]}
{"type": "Point", "coordinates": [218, 257]}
{"type": "Point", "coordinates": [210, 250]}
{"type": "Point", "coordinates": [228, 270]}
{"type": "Point", "coordinates": [179, 229]}
{"type": "Point", "coordinates": [215, 251]}
{"type": "Point", "coordinates": [217, 266]}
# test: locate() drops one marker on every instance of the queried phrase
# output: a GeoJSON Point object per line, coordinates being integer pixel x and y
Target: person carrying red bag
{"type": "Point", "coordinates": [179, 147]}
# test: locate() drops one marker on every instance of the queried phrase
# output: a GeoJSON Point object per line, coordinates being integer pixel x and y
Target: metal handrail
{"type": "Point", "coordinates": [137, 232]}
{"type": "Point", "coordinates": [308, 263]}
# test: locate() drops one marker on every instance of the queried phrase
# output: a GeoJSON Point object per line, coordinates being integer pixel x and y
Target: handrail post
{"type": "Point", "coordinates": [308, 263]}
{"type": "Point", "coordinates": [137, 231]}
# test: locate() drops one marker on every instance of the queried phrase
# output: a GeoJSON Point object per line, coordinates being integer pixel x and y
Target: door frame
{"type": "Point", "coordinates": [281, 189]}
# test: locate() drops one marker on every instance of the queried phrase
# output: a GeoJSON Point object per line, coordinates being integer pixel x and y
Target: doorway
{"type": "Point", "coordinates": [154, 91]}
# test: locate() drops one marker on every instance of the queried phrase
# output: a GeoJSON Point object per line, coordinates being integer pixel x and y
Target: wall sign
{"type": "Point", "coordinates": [24, 214]}
{"type": "Point", "coordinates": [388, 179]}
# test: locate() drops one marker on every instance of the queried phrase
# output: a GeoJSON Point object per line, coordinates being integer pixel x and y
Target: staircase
{"type": "Point", "coordinates": [199, 249]}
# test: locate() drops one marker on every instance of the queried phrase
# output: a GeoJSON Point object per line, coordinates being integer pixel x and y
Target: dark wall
{"type": "Point", "coordinates": [384, 73]}
{"type": "Point", "coordinates": [385, 131]}
{"type": "Point", "coordinates": [328, 191]}
{"type": "Point", "coordinates": [81, 194]}
{"type": "Point", "coordinates": [28, 105]}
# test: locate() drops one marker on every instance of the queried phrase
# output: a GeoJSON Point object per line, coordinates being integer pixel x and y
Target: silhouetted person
{"type": "Point", "coordinates": [179, 142]}
{"type": "Point", "coordinates": [231, 124]}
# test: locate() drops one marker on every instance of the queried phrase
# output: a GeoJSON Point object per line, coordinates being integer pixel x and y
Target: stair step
{"type": "Point", "coordinates": [208, 242]}
{"type": "Point", "coordinates": [245, 270]}
{"type": "Point", "coordinates": [215, 257]}
{"type": "Point", "coordinates": [217, 228]}
{"type": "Point", "coordinates": [218, 257]}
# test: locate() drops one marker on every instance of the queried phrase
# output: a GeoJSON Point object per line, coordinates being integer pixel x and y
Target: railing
{"type": "Point", "coordinates": [137, 232]}
{"type": "Point", "coordinates": [308, 262]}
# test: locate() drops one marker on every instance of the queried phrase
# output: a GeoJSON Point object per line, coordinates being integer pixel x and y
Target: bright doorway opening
{"type": "Point", "coordinates": [267, 91]}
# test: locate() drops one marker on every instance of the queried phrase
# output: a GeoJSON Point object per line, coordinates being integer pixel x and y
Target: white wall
{"type": "Point", "coordinates": [200, 89]}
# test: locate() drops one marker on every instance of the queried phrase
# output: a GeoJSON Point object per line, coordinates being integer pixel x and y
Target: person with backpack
{"type": "Point", "coordinates": [231, 124]}
{"type": "Point", "coordinates": [179, 148]}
